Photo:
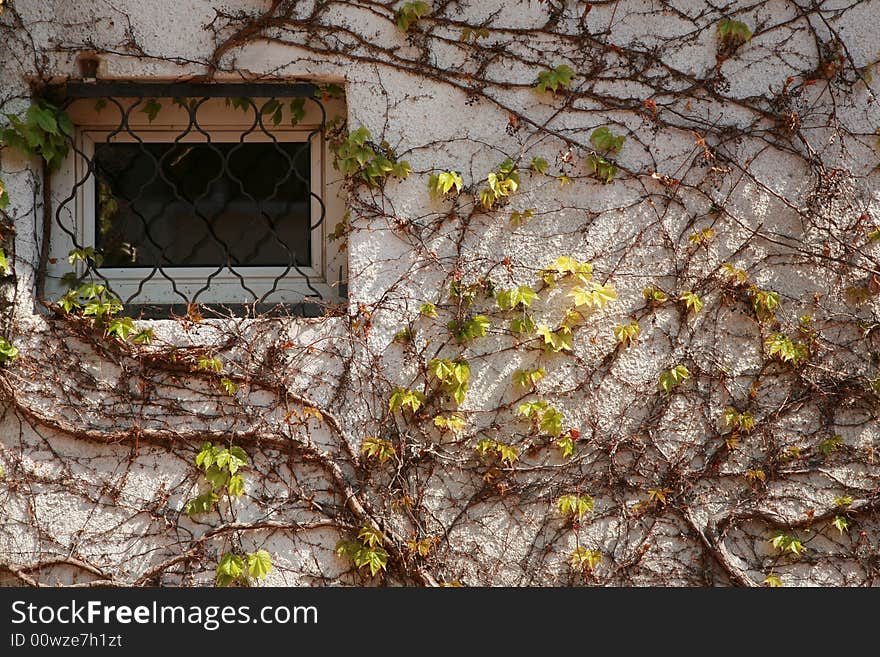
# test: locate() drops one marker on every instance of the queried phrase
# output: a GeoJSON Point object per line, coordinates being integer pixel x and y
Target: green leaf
{"type": "Point", "coordinates": [207, 364]}
{"type": "Point", "coordinates": [485, 446]}
{"type": "Point", "coordinates": [205, 457]}
{"type": "Point", "coordinates": [43, 117]}
{"type": "Point", "coordinates": [487, 198]}
{"type": "Point", "coordinates": [120, 327]}
{"type": "Point", "coordinates": [366, 552]}
{"type": "Point", "coordinates": [604, 141]}
{"type": "Point", "coordinates": [786, 350]}
{"type": "Point", "coordinates": [518, 218]}
{"type": "Point", "coordinates": [553, 80]}
{"type": "Point", "coordinates": [65, 124]}
{"type": "Point", "coordinates": [785, 543]}
{"type": "Point", "coordinates": [8, 351]}
{"type": "Point", "coordinates": [488, 448]}
{"type": "Point", "coordinates": [471, 329]}
{"type": "Point", "coordinates": [454, 422]}
{"type": "Point", "coordinates": [271, 107]}
{"type": "Point", "coordinates": [584, 559]}
{"type": "Point", "coordinates": [354, 157]}
{"type": "Point", "coordinates": [772, 581]}
{"type": "Point", "coordinates": [86, 255]}
{"type": "Point", "coordinates": [539, 165]}
{"type": "Point", "coordinates": [259, 564]}
{"type": "Point", "coordinates": [626, 334]}
{"type": "Point", "coordinates": [673, 377]}
{"type": "Point", "coordinates": [559, 340]}
{"type": "Point", "coordinates": [574, 506]}
{"type": "Point", "coordinates": [441, 184]}
{"type": "Point", "coordinates": [377, 448]}
{"type": "Point", "coordinates": [521, 296]}
{"type": "Point", "coordinates": [600, 168]}
{"type": "Point", "coordinates": [736, 275]}
{"type": "Point", "coordinates": [528, 378]}
{"type": "Point", "coordinates": [765, 303]}
{"type": "Point", "coordinates": [566, 446]}
{"type": "Point", "coordinates": [238, 453]}
{"type": "Point", "coordinates": [691, 301]}
{"type": "Point", "coordinates": [703, 237]}
{"type": "Point", "coordinates": [360, 136]}
{"type": "Point", "coordinates": [565, 266]}
{"type": "Point", "coordinates": [297, 110]}
{"type": "Point", "coordinates": [522, 325]}
{"type": "Point", "coordinates": [401, 169]}
{"type": "Point", "coordinates": [217, 477]}
{"type": "Point", "coordinates": [738, 421]}
{"type": "Point", "coordinates": [843, 502]}
{"type": "Point", "coordinates": [230, 569]}
{"type": "Point", "coordinates": [404, 336]}
{"type": "Point", "coordinates": [231, 459]}
{"type": "Point", "coordinates": [502, 183]}
{"type": "Point", "coordinates": [202, 504]}
{"type": "Point", "coordinates": [4, 263]}
{"type": "Point", "coordinates": [840, 523]}
{"type": "Point", "coordinates": [598, 296]}
{"type": "Point", "coordinates": [733, 33]}
{"type": "Point", "coordinates": [370, 536]}
{"type": "Point", "coordinates": [409, 14]}
{"type": "Point", "coordinates": [830, 445]}
{"type": "Point", "coordinates": [551, 422]}
{"type": "Point", "coordinates": [507, 453]}
{"type": "Point", "coordinates": [403, 397]}
{"type": "Point", "coordinates": [144, 336]}
{"type": "Point", "coordinates": [235, 486]}
{"type": "Point", "coordinates": [375, 558]}
{"type": "Point", "coordinates": [151, 109]}
{"type": "Point", "coordinates": [543, 416]}
{"type": "Point", "coordinates": [654, 295]}
{"type": "Point", "coordinates": [454, 376]}
{"type": "Point", "coordinates": [428, 310]}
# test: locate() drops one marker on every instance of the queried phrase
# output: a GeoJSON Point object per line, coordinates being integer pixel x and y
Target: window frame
{"type": "Point", "coordinates": [150, 286]}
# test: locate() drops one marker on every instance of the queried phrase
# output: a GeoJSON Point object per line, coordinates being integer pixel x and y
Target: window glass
{"type": "Point", "coordinates": [203, 205]}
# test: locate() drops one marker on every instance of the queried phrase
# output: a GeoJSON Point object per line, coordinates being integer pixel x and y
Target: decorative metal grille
{"type": "Point", "coordinates": [194, 211]}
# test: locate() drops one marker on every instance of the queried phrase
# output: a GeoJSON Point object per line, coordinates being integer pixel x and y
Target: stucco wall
{"type": "Point", "coordinates": [86, 500]}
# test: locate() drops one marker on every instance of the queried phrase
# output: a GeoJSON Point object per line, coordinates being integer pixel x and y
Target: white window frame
{"type": "Point", "coordinates": [225, 287]}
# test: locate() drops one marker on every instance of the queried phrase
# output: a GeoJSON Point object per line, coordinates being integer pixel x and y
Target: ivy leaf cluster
{"type": "Point", "coordinates": [221, 468]}
{"type": "Point", "coordinates": [605, 143]}
{"type": "Point", "coordinates": [356, 155]}
{"type": "Point", "coordinates": [454, 376]}
{"type": "Point", "coordinates": [379, 449]}
{"type": "Point", "coordinates": [45, 130]}
{"type": "Point", "coordinates": [575, 506]}
{"type": "Point", "coordinates": [409, 14]}
{"type": "Point", "coordinates": [555, 79]}
{"type": "Point", "coordinates": [502, 182]}
{"type": "Point", "coordinates": [366, 551]}
{"type": "Point", "coordinates": [242, 570]}
{"type": "Point", "coordinates": [732, 34]}
{"type": "Point", "coordinates": [674, 377]}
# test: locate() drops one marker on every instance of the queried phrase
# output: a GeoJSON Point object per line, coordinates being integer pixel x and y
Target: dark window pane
{"type": "Point", "coordinates": [203, 205]}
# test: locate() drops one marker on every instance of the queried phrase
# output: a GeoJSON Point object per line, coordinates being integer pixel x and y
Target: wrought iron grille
{"type": "Point", "coordinates": [176, 195]}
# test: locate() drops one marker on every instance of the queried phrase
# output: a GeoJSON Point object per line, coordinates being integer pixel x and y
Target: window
{"type": "Point", "coordinates": [199, 194]}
